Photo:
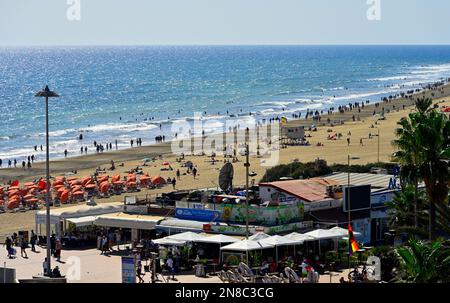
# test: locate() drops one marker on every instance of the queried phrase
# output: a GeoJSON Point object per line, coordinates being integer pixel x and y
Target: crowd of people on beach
{"type": "Point", "coordinates": [316, 115]}
{"type": "Point", "coordinates": [25, 164]}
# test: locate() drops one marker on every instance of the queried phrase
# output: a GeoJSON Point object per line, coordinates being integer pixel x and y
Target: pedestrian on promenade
{"type": "Point", "coordinates": [58, 248]}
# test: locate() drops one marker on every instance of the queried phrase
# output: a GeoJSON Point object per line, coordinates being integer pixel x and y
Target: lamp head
{"type": "Point", "coordinates": [46, 92]}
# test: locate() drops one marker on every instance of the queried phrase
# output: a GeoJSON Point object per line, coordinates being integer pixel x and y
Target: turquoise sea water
{"type": "Point", "coordinates": [123, 93]}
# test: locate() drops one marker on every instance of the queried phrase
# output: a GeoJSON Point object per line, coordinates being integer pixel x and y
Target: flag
{"type": "Point", "coordinates": [353, 244]}
{"type": "Point", "coordinates": [283, 120]}
{"type": "Point", "coordinates": [15, 183]}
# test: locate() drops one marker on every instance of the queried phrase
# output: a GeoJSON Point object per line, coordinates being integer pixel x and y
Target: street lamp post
{"type": "Point", "coordinates": [247, 166]}
{"type": "Point", "coordinates": [47, 93]}
{"type": "Point", "coordinates": [378, 146]}
{"type": "Point", "coordinates": [348, 207]}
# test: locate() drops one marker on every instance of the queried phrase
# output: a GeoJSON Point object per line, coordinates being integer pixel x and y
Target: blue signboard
{"type": "Point", "coordinates": [128, 269]}
{"type": "Point", "coordinates": [197, 214]}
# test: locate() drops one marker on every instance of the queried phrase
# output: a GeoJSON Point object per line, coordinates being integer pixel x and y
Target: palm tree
{"type": "Point", "coordinates": [424, 262]}
{"type": "Point", "coordinates": [434, 141]}
{"type": "Point", "coordinates": [408, 154]}
{"type": "Point", "coordinates": [423, 105]}
{"type": "Point", "coordinates": [424, 151]}
{"type": "Point", "coordinates": [405, 216]}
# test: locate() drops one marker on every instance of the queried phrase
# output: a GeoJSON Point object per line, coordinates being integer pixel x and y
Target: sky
{"type": "Point", "coordinates": [231, 22]}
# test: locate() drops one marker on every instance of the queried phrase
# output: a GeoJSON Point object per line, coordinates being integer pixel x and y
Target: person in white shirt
{"type": "Point", "coordinates": [169, 264]}
{"type": "Point", "coordinates": [45, 267]}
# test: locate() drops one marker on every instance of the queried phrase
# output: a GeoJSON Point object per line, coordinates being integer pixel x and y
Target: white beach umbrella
{"type": "Point", "coordinates": [300, 238]}
{"type": "Point", "coordinates": [322, 234]}
{"type": "Point", "coordinates": [218, 239]}
{"type": "Point", "coordinates": [247, 245]}
{"type": "Point", "coordinates": [278, 241]}
{"type": "Point", "coordinates": [188, 236]}
{"type": "Point", "coordinates": [169, 242]}
{"type": "Point", "coordinates": [258, 236]}
{"type": "Point", "coordinates": [342, 231]}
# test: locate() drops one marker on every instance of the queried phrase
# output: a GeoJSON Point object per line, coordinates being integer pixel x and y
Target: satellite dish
{"type": "Point", "coordinates": [226, 177]}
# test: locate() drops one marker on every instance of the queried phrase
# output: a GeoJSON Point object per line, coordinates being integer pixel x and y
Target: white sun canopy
{"type": "Point", "coordinates": [279, 241]}
{"type": "Point", "coordinates": [323, 234]}
{"type": "Point", "coordinates": [218, 239]}
{"type": "Point", "coordinates": [123, 220]}
{"type": "Point", "coordinates": [82, 221]}
{"type": "Point", "coordinates": [186, 236]}
{"type": "Point", "coordinates": [258, 236]}
{"type": "Point", "coordinates": [342, 231]}
{"type": "Point", "coordinates": [169, 242]}
{"type": "Point", "coordinates": [247, 245]}
{"type": "Point", "coordinates": [299, 237]}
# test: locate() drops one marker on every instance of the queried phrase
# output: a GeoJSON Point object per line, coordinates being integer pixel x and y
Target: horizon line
{"type": "Point", "coordinates": [221, 44]}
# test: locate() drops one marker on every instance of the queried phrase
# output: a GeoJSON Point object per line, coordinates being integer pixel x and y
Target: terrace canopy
{"type": "Point", "coordinates": [342, 231]}
{"type": "Point", "coordinates": [299, 237]}
{"type": "Point", "coordinates": [279, 241]}
{"type": "Point", "coordinates": [82, 221]}
{"type": "Point", "coordinates": [247, 245]}
{"type": "Point", "coordinates": [323, 234]}
{"type": "Point", "coordinates": [217, 239]}
{"type": "Point", "coordinates": [169, 242]}
{"type": "Point", "coordinates": [132, 221]}
{"type": "Point", "coordinates": [258, 236]}
{"type": "Point", "coordinates": [188, 236]}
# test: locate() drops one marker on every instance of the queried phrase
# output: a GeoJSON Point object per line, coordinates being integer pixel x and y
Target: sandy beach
{"type": "Point", "coordinates": [333, 151]}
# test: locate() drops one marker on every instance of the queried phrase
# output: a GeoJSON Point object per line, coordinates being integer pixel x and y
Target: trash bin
{"type": "Point", "coordinates": [200, 270]}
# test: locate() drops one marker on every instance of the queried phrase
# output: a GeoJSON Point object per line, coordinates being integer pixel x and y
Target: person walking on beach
{"type": "Point", "coordinates": [169, 264]}
{"type": "Point", "coordinates": [9, 247]}
{"type": "Point", "coordinates": [116, 144]}
{"type": "Point", "coordinates": [194, 172]}
{"type": "Point", "coordinates": [1, 162]}
{"type": "Point", "coordinates": [58, 248]}
{"type": "Point", "coordinates": [361, 142]}
{"type": "Point", "coordinates": [139, 272]}
{"type": "Point", "coordinates": [104, 244]}
{"type": "Point", "coordinates": [65, 153]}
{"type": "Point", "coordinates": [33, 241]}
{"type": "Point", "coordinates": [23, 164]}
{"type": "Point", "coordinates": [348, 141]}
{"type": "Point", "coordinates": [15, 163]}
{"type": "Point", "coordinates": [52, 244]}
{"type": "Point", "coordinates": [23, 249]}
{"type": "Point", "coordinates": [131, 142]}
{"type": "Point", "coordinates": [45, 267]}
{"type": "Point", "coordinates": [9, 163]}
{"type": "Point", "coordinates": [178, 174]}
{"type": "Point", "coordinates": [174, 182]}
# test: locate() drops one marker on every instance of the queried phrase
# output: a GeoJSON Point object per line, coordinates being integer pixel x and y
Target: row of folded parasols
{"type": "Point", "coordinates": [72, 189]}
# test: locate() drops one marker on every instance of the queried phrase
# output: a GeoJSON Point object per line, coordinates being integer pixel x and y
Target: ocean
{"type": "Point", "coordinates": [124, 93]}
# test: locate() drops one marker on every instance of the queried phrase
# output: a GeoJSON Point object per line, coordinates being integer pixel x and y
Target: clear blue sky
{"type": "Point", "coordinates": [113, 22]}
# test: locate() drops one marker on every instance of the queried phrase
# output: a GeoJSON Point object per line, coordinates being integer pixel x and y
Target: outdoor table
{"type": "Point", "coordinates": [214, 267]}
